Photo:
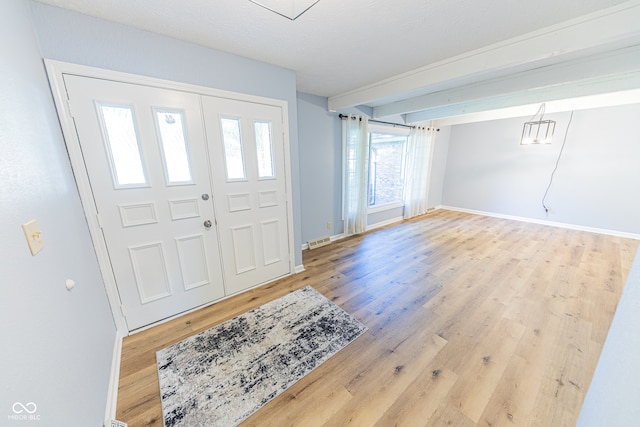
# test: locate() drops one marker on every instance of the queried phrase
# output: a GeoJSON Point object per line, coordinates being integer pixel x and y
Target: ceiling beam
{"type": "Point", "coordinates": [618, 62]}
{"type": "Point", "coordinates": [575, 89]}
{"type": "Point", "coordinates": [613, 27]}
{"type": "Point", "coordinates": [608, 99]}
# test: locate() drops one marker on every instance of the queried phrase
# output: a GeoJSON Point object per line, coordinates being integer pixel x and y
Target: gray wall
{"type": "Point", "coordinates": [81, 39]}
{"type": "Point", "coordinates": [595, 184]}
{"type": "Point", "coordinates": [438, 166]}
{"type": "Point", "coordinates": [612, 398]}
{"type": "Point", "coordinates": [320, 168]}
{"type": "Point", "coordinates": [56, 344]}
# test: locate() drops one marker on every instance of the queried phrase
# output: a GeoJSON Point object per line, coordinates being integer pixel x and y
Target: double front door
{"type": "Point", "coordinates": [190, 192]}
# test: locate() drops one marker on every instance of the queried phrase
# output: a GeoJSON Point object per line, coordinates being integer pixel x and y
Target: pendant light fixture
{"type": "Point", "coordinates": [538, 131]}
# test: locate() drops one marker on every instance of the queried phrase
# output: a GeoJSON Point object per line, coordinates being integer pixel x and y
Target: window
{"type": "Point", "coordinates": [264, 149]}
{"type": "Point", "coordinates": [175, 152]}
{"type": "Point", "coordinates": [233, 152]}
{"type": "Point", "coordinates": [123, 148]}
{"type": "Point", "coordinates": [386, 168]}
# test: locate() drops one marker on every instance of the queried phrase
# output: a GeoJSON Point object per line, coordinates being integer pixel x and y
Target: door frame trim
{"type": "Point", "coordinates": [55, 72]}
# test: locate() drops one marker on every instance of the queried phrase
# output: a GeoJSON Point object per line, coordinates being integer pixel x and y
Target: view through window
{"type": "Point", "coordinates": [386, 168]}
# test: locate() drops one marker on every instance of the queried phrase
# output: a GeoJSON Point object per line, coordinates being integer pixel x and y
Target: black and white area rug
{"type": "Point", "coordinates": [221, 376]}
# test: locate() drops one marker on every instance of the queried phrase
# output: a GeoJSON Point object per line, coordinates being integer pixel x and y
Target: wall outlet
{"type": "Point", "coordinates": [329, 225]}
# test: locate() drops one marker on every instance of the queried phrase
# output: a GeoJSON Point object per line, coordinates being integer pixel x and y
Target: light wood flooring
{"type": "Point", "coordinates": [472, 321]}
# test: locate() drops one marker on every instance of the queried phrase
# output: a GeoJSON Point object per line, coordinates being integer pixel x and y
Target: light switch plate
{"type": "Point", "coordinates": [33, 236]}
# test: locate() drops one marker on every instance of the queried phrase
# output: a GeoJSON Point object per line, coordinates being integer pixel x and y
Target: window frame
{"type": "Point", "coordinates": [387, 130]}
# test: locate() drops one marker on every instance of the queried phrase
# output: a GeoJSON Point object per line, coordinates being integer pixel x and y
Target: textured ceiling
{"type": "Point", "coordinates": [337, 45]}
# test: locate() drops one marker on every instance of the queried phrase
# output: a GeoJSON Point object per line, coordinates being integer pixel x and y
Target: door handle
{"type": "Point", "coordinates": [207, 224]}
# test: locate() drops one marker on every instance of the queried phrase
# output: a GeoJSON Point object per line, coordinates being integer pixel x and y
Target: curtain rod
{"type": "Point", "coordinates": [344, 116]}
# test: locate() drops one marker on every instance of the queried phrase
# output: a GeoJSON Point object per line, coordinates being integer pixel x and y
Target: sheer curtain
{"type": "Point", "coordinates": [418, 166]}
{"type": "Point", "coordinates": [355, 157]}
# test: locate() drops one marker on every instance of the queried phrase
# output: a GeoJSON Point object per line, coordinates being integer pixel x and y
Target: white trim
{"type": "Point", "coordinates": [114, 380]}
{"type": "Point", "coordinates": [384, 223]}
{"type": "Point", "coordinates": [543, 222]}
{"type": "Point", "coordinates": [305, 246]}
{"type": "Point", "coordinates": [298, 269]}
{"type": "Point", "coordinates": [337, 237]}
{"type": "Point", "coordinates": [55, 72]}
{"type": "Point", "coordinates": [288, 184]}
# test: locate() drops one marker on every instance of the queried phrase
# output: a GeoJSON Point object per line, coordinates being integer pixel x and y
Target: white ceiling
{"type": "Point", "coordinates": [338, 47]}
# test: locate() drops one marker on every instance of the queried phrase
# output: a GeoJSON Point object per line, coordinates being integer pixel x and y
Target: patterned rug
{"type": "Point", "coordinates": [221, 376]}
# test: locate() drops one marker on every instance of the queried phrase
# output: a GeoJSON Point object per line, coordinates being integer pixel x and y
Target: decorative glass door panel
{"type": "Point", "coordinates": [250, 203]}
{"type": "Point", "coordinates": [145, 154]}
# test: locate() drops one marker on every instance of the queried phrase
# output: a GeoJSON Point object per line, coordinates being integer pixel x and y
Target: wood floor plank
{"type": "Point", "coordinates": [391, 376]}
{"type": "Point", "coordinates": [472, 320]}
{"type": "Point", "coordinates": [416, 405]}
{"type": "Point", "coordinates": [488, 363]}
{"type": "Point", "coordinates": [511, 402]}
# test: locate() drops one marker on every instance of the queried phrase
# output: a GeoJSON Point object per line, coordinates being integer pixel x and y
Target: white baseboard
{"type": "Point", "coordinates": [114, 379]}
{"type": "Point", "coordinates": [298, 269]}
{"type": "Point", "coordinates": [335, 237]}
{"type": "Point", "coordinates": [544, 222]}
{"type": "Point", "coordinates": [384, 223]}
{"type": "Point", "coordinates": [338, 237]}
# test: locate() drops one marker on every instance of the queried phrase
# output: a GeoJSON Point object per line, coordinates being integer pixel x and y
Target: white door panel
{"type": "Point", "coordinates": [246, 147]}
{"type": "Point", "coordinates": [145, 153]}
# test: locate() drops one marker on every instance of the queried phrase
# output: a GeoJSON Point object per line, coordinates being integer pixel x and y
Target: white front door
{"type": "Point", "coordinates": [246, 147]}
{"type": "Point", "coordinates": [145, 153]}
